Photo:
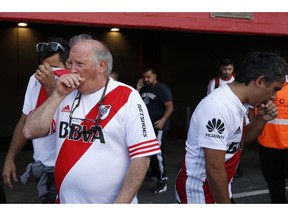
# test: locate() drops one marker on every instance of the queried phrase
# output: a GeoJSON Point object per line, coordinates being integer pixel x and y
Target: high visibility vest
{"type": "Point", "coordinates": [275, 132]}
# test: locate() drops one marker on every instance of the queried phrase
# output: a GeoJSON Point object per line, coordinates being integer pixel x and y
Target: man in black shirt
{"type": "Point", "coordinates": [158, 99]}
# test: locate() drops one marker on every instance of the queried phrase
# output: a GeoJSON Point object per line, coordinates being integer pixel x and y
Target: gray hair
{"type": "Point", "coordinates": [100, 54]}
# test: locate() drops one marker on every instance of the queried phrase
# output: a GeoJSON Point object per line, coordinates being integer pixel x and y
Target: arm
{"type": "Point", "coordinates": [134, 179]}
{"type": "Point", "coordinates": [38, 122]}
{"type": "Point", "coordinates": [265, 113]}
{"type": "Point", "coordinates": [216, 174]}
{"type": "Point", "coordinates": [17, 143]}
{"type": "Point", "coordinates": [168, 111]}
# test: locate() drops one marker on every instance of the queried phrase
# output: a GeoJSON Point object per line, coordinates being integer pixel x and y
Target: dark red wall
{"type": "Point", "coordinates": [271, 23]}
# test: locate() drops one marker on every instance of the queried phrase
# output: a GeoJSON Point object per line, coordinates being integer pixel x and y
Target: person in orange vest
{"type": "Point", "coordinates": [273, 149]}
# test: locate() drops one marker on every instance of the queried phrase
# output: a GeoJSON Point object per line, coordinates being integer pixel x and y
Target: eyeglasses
{"type": "Point", "coordinates": [51, 46]}
{"type": "Point", "coordinates": [85, 125]}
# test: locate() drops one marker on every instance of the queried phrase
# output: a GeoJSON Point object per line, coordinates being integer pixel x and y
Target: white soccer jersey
{"type": "Point", "coordinates": [91, 167]}
{"type": "Point", "coordinates": [212, 82]}
{"type": "Point", "coordinates": [217, 123]}
{"type": "Point", "coordinates": [45, 147]}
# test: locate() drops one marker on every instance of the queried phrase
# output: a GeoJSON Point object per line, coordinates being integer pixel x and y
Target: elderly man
{"type": "Point", "coordinates": [104, 134]}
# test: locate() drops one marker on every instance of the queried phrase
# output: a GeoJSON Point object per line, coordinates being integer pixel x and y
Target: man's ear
{"type": "Point", "coordinates": [259, 80]}
{"type": "Point", "coordinates": [103, 66]}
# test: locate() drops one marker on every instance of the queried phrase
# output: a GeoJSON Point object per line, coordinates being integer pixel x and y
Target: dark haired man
{"type": "Point", "coordinates": [52, 56]}
{"type": "Point", "coordinates": [219, 128]}
{"type": "Point", "coordinates": [158, 99]}
{"type": "Point", "coordinates": [226, 75]}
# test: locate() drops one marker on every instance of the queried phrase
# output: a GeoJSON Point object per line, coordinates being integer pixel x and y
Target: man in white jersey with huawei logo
{"type": "Point", "coordinates": [104, 134]}
{"type": "Point", "coordinates": [226, 75]}
{"type": "Point", "coordinates": [219, 127]}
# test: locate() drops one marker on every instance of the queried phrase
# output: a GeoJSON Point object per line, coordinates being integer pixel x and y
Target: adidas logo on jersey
{"type": "Point", "coordinates": [66, 109]}
{"type": "Point", "coordinates": [238, 131]}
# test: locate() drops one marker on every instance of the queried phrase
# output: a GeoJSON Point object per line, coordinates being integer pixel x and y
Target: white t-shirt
{"type": "Point", "coordinates": [44, 147]}
{"type": "Point", "coordinates": [217, 123]}
{"type": "Point", "coordinates": [212, 82]}
{"type": "Point", "coordinates": [90, 168]}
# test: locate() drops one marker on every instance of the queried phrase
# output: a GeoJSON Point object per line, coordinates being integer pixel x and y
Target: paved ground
{"type": "Point", "coordinates": [250, 188]}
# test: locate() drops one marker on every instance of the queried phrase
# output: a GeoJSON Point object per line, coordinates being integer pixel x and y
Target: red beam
{"type": "Point", "coordinates": [262, 23]}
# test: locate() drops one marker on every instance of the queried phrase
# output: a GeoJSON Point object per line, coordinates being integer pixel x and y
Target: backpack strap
{"type": "Point", "coordinates": [217, 81]}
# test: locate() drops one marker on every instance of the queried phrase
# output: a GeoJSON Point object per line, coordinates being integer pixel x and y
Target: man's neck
{"type": "Point", "coordinates": [226, 78]}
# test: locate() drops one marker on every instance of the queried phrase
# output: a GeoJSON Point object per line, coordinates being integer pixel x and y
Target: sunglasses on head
{"type": "Point", "coordinates": [52, 47]}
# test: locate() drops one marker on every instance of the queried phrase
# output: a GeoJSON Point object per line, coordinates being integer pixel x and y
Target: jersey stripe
{"type": "Point", "coordinates": [144, 148]}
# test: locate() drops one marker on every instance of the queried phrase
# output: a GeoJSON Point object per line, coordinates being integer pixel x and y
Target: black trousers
{"type": "Point", "coordinates": [157, 162]}
{"type": "Point", "coordinates": [2, 192]}
{"type": "Point", "coordinates": [274, 167]}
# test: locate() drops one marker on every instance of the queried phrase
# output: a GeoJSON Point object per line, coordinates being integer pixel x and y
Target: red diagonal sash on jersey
{"type": "Point", "coordinates": [71, 151]}
{"type": "Point", "coordinates": [43, 94]}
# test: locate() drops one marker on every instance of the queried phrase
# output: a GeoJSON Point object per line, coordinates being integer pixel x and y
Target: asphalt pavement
{"type": "Point", "coordinates": [250, 188]}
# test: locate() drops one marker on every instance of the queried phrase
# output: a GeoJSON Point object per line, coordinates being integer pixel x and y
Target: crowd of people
{"type": "Point", "coordinates": [96, 139]}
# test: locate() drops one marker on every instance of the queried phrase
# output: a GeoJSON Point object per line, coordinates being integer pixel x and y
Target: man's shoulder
{"type": "Point", "coordinates": [214, 78]}
{"type": "Point", "coordinates": [162, 85]}
{"type": "Point", "coordinates": [220, 92]}
{"type": "Point", "coordinates": [33, 82]}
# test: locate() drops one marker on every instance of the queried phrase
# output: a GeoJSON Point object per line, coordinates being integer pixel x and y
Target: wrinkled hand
{"type": "Point", "coordinates": [268, 111]}
{"type": "Point", "coordinates": [67, 83]}
{"type": "Point", "coordinates": [45, 76]}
